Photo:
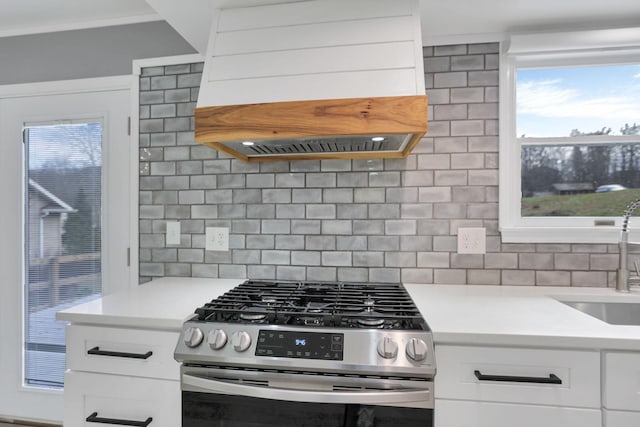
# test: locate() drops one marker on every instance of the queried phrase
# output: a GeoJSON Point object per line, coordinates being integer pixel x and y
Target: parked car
{"type": "Point", "coordinates": [610, 187]}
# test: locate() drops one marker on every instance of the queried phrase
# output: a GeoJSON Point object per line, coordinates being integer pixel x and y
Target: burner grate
{"type": "Point", "coordinates": [344, 305]}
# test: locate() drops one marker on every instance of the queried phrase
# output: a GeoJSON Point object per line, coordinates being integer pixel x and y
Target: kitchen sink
{"type": "Point", "coordinates": [614, 313]}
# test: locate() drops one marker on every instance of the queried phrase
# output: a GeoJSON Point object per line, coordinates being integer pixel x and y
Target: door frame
{"type": "Point", "coordinates": [50, 408]}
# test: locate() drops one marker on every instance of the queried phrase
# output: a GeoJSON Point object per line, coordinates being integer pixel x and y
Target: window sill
{"type": "Point", "coordinates": [582, 235]}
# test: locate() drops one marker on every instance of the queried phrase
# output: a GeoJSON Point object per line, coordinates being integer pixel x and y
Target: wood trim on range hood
{"type": "Point", "coordinates": [288, 129]}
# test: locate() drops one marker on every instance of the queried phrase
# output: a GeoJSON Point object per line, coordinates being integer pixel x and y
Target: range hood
{"type": "Point", "coordinates": [315, 79]}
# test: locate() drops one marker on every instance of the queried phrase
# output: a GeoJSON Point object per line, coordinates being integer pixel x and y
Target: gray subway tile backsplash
{"type": "Point", "coordinates": [362, 220]}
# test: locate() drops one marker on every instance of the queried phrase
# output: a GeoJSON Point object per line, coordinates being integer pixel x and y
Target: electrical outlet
{"type": "Point", "coordinates": [216, 239]}
{"type": "Point", "coordinates": [173, 233]}
{"type": "Point", "coordinates": [472, 240]}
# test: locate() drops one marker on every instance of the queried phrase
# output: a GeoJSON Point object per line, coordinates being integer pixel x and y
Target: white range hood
{"type": "Point", "coordinates": [314, 79]}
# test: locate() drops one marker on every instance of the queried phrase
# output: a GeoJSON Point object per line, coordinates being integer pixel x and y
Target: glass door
{"type": "Point", "coordinates": [64, 171]}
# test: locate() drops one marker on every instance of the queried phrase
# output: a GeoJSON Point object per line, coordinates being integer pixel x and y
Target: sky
{"type": "Point", "coordinates": [552, 102]}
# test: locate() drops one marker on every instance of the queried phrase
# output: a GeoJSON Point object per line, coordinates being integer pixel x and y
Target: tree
{"type": "Point", "coordinates": [607, 164]}
{"type": "Point", "coordinates": [604, 131]}
{"type": "Point", "coordinates": [580, 171]}
{"type": "Point", "coordinates": [593, 164]}
{"type": "Point", "coordinates": [540, 168]}
{"type": "Point", "coordinates": [626, 160]}
{"type": "Point", "coordinates": [81, 235]}
{"type": "Point", "coordinates": [539, 179]}
{"type": "Point", "coordinates": [597, 163]}
{"type": "Point", "coordinates": [630, 130]}
{"type": "Point", "coordinates": [86, 140]}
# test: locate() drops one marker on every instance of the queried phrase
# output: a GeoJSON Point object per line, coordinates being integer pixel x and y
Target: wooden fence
{"type": "Point", "coordinates": [56, 280]}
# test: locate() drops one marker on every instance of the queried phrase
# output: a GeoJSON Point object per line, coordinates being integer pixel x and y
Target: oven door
{"type": "Point", "coordinates": [255, 398]}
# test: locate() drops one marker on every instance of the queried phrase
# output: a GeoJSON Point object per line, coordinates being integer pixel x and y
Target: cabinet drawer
{"type": "Point", "coordinates": [120, 398]}
{"type": "Point", "coordinates": [518, 375]}
{"type": "Point", "coordinates": [622, 381]}
{"type": "Point", "coordinates": [484, 414]}
{"type": "Point", "coordinates": [135, 352]}
{"type": "Point", "coordinates": [621, 419]}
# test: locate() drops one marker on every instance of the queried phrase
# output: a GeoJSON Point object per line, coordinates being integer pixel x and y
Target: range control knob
{"type": "Point", "coordinates": [240, 341]}
{"type": "Point", "coordinates": [387, 348]}
{"type": "Point", "coordinates": [217, 339]}
{"type": "Point", "coordinates": [416, 349]}
{"type": "Point", "coordinates": [193, 336]}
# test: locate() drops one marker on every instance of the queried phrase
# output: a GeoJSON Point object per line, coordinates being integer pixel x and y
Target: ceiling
{"type": "Point", "coordinates": [20, 17]}
{"type": "Point", "coordinates": [443, 21]}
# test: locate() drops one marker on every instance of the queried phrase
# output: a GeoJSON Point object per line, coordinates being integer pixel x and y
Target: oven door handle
{"type": "Point", "coordinates": [378, 397]}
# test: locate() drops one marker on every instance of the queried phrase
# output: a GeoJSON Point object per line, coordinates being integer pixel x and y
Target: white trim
{"type": "Point", "coordinates": [590, 40]}
{"type": "Point", "coordinates": [99, 84]}
{"type": "Point", "coordinates": [509, 180]}
{"type": "Point", "coordinates": [139, 64]}
{"type": "Point", "coordinates": [452, 39]}
{"type": "Point", "coordinates": [82, 25]}
{"type": "Point", "coordinates": [582, 140]}
{"type": "Point", "coordinates": [582, 235]}
{"type": "Point", "coordinates": [523, 52]}
{"type": "Point", "coordinates": [417, 50]}
{"type": "Point", "coordinates": [134, 182]}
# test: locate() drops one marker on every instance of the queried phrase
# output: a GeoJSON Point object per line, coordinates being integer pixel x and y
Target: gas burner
{"type": "Point", "coordinates": [311, 313]}
{"type": "Point", "coordinates": [256, 314]}
{"type": "Point", "coordinates": [252, 317]}
{"type": "Point", "coordinates": [316, 307]}
{"type": "Point", "coordinates": [371, 318]}
{"type": "Point", "coordinates": [371, 322]}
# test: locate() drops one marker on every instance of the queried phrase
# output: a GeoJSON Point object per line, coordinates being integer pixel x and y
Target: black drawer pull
{"type": "Point", "coordinates": [97, 351]}
{"type": "Point", "coordinates": [552, 379]}
{"type": "Point", "coordinates": [93, 418]}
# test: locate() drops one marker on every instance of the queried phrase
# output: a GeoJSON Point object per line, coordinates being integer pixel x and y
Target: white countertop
{"type": "Point", "coordinates": [159, 304]}
{"type": "Point", "coordinates": [457, 314]}
{"type": "Point", "coordinates": [521, 316]}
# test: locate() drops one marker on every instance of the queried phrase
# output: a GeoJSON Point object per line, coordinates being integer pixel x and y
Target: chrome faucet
{"type": "Point", "coordinates": [624, 281]}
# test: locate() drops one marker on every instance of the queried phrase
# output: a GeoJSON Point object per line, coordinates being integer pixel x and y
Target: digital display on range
{"type": "Point", "coordinates": [305, 345]}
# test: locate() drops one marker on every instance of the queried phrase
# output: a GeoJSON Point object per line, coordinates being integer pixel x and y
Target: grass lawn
{"type": "Point", "coordinates": [592, 204]}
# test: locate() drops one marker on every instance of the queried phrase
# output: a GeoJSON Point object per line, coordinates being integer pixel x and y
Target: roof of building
{"type": "Point", "coordinates": [57, 205]}
{"type": "Point", "coordinates": [573, 186]}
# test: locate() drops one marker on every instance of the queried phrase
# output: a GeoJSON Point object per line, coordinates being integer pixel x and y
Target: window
{"type": "Point", "coordinates": [63, 173]}
{"type": "Point", "coordinates": [569, 137]}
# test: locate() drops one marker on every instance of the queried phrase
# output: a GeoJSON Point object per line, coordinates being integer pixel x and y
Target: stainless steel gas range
{"type": "Point", "coordinates": [307, 354]}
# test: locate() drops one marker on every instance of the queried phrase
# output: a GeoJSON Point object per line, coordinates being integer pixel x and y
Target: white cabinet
{"type": "Point", "coordinates": [122, 351]}
{"type": "Point", "coordinates": [621, 418]}
{"type": "Point", "coordinates": [119, 375]}
{"type": "Point", "coordinates": [122, 400]}
{"type": "Point", "coordinates": [621, 397]}
{"type": "Point", "coordinates": [500, 386]}
{"type": "Point", "coordinates": [464, 413]}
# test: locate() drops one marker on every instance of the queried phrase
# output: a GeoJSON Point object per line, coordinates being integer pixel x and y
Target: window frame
{"type": "Point", "coordinates": [549, 50]}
